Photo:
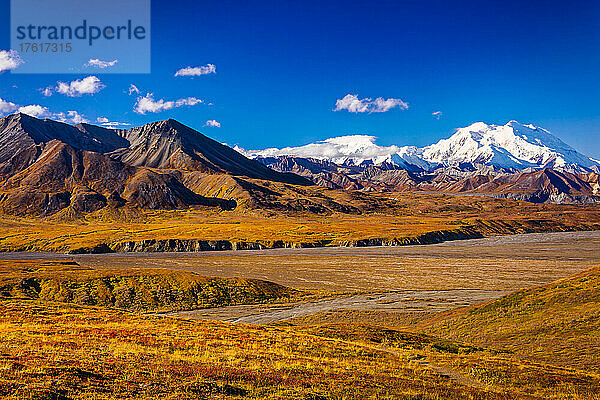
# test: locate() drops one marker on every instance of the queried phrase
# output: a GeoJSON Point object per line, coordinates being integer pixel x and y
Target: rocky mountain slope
{"type": "Point", "coordinates": [68, 180]}
{"type": "Point", "coordinates": [539, 186]}
{"type": "Point", "coordinates": [170, 144]}
{"type": "Point", "coordinates": [19, 132]}
{"type": "Point", "coordinates": [51, 168]}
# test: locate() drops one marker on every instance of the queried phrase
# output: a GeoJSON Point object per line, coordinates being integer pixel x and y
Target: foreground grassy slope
{"type": "Point", "coordinates": [55, 351]}
{"type": "Point", "coordinates": [557, 323]}
{"type": "Point", "coordinates": [376, 219]}
{"type": "Point", "coordinates": [131, 289]}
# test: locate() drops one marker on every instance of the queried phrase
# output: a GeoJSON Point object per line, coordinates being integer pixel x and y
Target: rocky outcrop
{"type": "Point", "coordinates": [193, 245]}
{"type": "Point", "coordinates": [425, 238]}
{"type": "Point", "coordinates": [540, 197]}
{"type": "Point", "coordinates": [547, 185]}
{"type": "Point", "coordinates": [322, 173]}
{"type": "Point", "coordinates": [101, 248]}
{"type": "Point", "coordinates": [478, 229]}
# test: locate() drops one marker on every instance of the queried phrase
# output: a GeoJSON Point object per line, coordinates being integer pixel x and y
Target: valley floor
{"type": "Point", "coordinates": [502, 263]}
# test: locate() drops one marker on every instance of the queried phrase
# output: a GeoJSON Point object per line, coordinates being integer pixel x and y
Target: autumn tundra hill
{"type": "Point", "coordinates": [132, 289]}
{"type": "Point", "coordinates": [556, 323]}
{"type": "Point", "coordinates": [366, 219]}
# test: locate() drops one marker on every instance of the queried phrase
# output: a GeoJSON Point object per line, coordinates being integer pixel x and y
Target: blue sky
{"type": "Point", "coordinates": [281, 66]}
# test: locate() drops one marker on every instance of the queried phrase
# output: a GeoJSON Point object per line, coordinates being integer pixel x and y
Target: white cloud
{"type": "Point", "coordinates": [94, 62]}
{"type": "Point", "coordinates": [87, 85]}
{"type": "Point", "coordinates": [9, 59]}
{"type": "Point", "coordinates": [71, 117]}
{"type": "Point", "coordinates": [197, 71]}
{"type": "Point", "coordinates": [437, 114]}
{"type": "Point", "coordinates": [353, 104]}
{"type": "Point", "coordinates": [114, 124]}
{"type": "Point", "coordinates": [35, 110]}
{"type": "Point", "coordinates": [47, 91]}
{"type": "Point", "coordinates": [38, 111]}
{"type": "Point", "coordinates": [212, 123]}
{"type": "Point", "coordinates": [76, 118]}
{"type": "Point", "coordinates": [110, 124]}
{"type": "Point", "coordinates": [147, 104]}
{"type": "Point", "coordinates": [133, 89]}
{"type": "Point", "coordinates": [7, 107]}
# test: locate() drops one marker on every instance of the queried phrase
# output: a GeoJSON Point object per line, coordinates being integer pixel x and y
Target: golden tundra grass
{"type": "Point", "coordinates": [522, 263]}
{"type": "Point", "coordinates": [57, 351]}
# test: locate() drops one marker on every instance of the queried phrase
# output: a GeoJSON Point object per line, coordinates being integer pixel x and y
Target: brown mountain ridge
{"type": "Point", "coordinates": [537, 186]}
{"type": "Point", "coordinates": [50, 168]}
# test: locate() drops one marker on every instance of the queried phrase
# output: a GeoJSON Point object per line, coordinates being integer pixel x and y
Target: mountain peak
{"type": "Point", "coordinates": [21, 131]}
{"type": "Point", "coordinates": [171, 144]}
{"type": "Point", "coordinates": [476, 126]}
{"type": "Point", "coordinates": [167, 123]}
{"type": "Point", "coordinates": [19, 118]}
{"type": "Point", "coordinates": [513, 145]}
{"type": "Point", "coordinates": [346, 150]}
{"type": "Point", "coordinates": [20, 115]}
{"type": "Point", "coordinates": [171, 122]}
{"type": "Point", "coordinates": [352, 140]}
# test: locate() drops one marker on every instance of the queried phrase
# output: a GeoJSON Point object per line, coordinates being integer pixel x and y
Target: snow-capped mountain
{"type": "Point", "coordinates": [510, 146]}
